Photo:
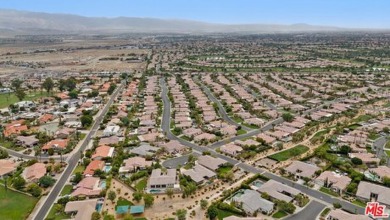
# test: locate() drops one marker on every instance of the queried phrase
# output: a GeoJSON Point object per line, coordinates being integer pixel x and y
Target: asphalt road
{"type": "Point", "coordinates": [165, 125]}
{"type": "Point", "coordinates": [178, 161]}
{"type": "Point", "coordinates": [73, 161]}
{"type": "Point", "coordinates": [311, 211]}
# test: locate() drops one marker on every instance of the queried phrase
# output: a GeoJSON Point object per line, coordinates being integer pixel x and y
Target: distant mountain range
{"type": "Point", "coordinates": [14, 22]}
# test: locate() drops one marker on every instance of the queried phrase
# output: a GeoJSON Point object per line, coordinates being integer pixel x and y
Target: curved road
{"type": "Point", "coordinates": [73, 161]}
{"type": "Point", "coordinates": [304, 189]}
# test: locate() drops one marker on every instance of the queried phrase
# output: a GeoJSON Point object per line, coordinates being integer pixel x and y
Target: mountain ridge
{"type": "Point", "coordinates": [40, 22]}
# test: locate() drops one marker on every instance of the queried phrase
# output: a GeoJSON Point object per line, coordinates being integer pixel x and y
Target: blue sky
{"type": "Point", "coordinates": [343, 13]}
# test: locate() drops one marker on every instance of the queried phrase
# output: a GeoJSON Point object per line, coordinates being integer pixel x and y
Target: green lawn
{"type": "Point", "coordinates": [123, 201]}
{"type": "Point", "coordinates": [362, 118]}
{"type": "Point", "coordinates": [387, 145]}
{"type": "Point", "coordinates": [224, 170]}
{"type": "Point", "coordinates": [6, 144]}
{"type": "Point", "coordinates": [140, 186]}
{"type": "Point", "coordinates": [388, 153]}
{"type": "Point", "coordinates": [325, 212]}
{"type": "Point", "coordinates": [8, 99]}
{"type": "Point", "coordinates": [241, 131]}
{"type": "Point", "coordinates": [279, 214]}
{"type": "Point", "coordinates": [237, 119]}
{"type": "Point", "coordinates": [14, 205]}
{"type": "Point", "coordinates": [359, 203]}
{"type": "Point", "coordinates": [251, 126]}
{"type": "Point", "coordinates": [66, 190]}
{"type": "Point", "coordinates": [223, 214]}
{"type": "Point", "coordinates": [287, 154]}
{"type": "Point", "coordinates": [79, 168]}
{"type": "Point", "coordinates": [328, 191]}
{"type": "Point", "coordinates": [56, 216]}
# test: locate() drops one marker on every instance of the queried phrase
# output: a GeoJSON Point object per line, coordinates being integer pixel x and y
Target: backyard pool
{"type": "Point", "coordinates": [102, 184]}
{"type": "Point", "coordinates": [154, 191]}
{"type": "Point", "coordinates": [257, 183]}
{"type": "Point", "coordinates": [106, 168]}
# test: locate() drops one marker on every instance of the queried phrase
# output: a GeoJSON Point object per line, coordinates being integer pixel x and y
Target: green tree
{"type": "Point", "coordinates": [286, 206]}
{"type": "Point", "coordinates": [19, 183]}
{"type": "Point", "coordinates": [34, 189]}
{"type": "Point", "coordinates": [169, 192]}
{"type": "Point", "coordinates": [287, 117]}
{"type": "Point", "coordinates": [357, 161]}
{"type": "Point", "coordinates": [20, 94]}
{"type": "Point", "coordinates": [46, 181]}
{"type": "Point", "coordinates": [73, 94]}
{"type": "Point", "coordinates": [62, 85]}
{"type": "Point", "coordinates": [203, 204]}
{"type": "Point", "coordinates": [112, 88]}
{"type": "Point", "coordinates": [109, 217]}
{"type": "Point", "coordinates": [212, 212]}
{"type": "Point", "coordinates": [86, 120]}
{"type": "Point", "coordinates": [95, 216]}
{"type": "Point", "coordinates": [48, 85]}
{"type": "Point", "coordinates": [137, 196]}
{"type": "Point", "coordinates": [386, 181]}
{"type": "Point", "coordinates": [352, 188]}
{"type": "Point", "coordinates": [111, 195]}
{"type": "Point", "coordinates": [3, 154]}
{"type": "Point", "coordinates": [70, 83]}
{"type": "Point", "coordinates": [148, 199]}
{"type": "Point", "coordinates": [16, 84]}
{"type": "Point", "coordinates": [181, 214]}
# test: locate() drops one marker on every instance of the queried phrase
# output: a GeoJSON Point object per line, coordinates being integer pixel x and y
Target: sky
{"type": "Point", "coordinates": [341, 13]}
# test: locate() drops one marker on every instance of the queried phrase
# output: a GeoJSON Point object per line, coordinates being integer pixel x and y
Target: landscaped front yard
{"type": "Point", "coordinates": [329, 191]}
{"type": "Point", "coordinates": [14, 205]}
{"type": "Point", "coordinates": [287, 154]}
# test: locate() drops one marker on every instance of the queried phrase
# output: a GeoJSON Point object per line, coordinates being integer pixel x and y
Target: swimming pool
{"type": "Point", "coordinates": [99, 207]}
{"type": "Point", "coordinates": [102, 184]}
{"type": "Point", "coordinates": [106, 168]}
{"type": "Point", "coordinates": [154, 191]}
{"type": "Point", "coordinates": [257, 183]}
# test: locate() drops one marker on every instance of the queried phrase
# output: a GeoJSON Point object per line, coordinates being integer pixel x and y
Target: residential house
{"type": "Point", "coordinates": [88, 187]}
{"type": "Point", "coordinates": [27, 141]}
{"type": "Point", "coordinates": [278, 191]}
{"type": "Point", "coordinates": [231, 149]}
{"type": "Point", "coordinates": [34, 172]}
{"type": "Point", "coordinates": [334, 181]}
{"type": "Point", "coordinates": [339, 214]}
{"type": "Point", "coordinates": [93, 166]}
{"type": "Point", "coordinates": [111, 130]}
{"type": "Point", "coordinates": [370, 192]}
{"type": "Point", "coordinates": [199, 174]}
{"type": "Point", "coordinates": [252, 202]}
{"type": "Point", "coordinates": [64, 133]}
{"type": "Point", "coordinates": [210, 162]}
{"type": "Point", "coordinates": [102, 152]}
{"type": "Point", "coordinates": [56, 144]}
{"type": "Point", "coordinates": [301, 170]}
{"type": "Point", "coordinates": [81, 210]}
{"type": "Point", "coordinates": [381, 172]}
{"type": "Point", "coordinates": [369, 159]}
{"type": "Point", "coordinates": [144, 149]}
{"type": "Point", "coordinates": [159, 181]}
{"type": "Point", "coordinates": [7, 167]}
{"type": "Point", "coordinates": [133, 164]}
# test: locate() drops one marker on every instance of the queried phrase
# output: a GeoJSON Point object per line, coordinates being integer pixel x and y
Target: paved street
{"type": "Point", "coordinates": [310, 211]}
{"type": "Point", "coordinates": [73, 161]}
{"type": "Point", "coordinates": [178, 161]}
